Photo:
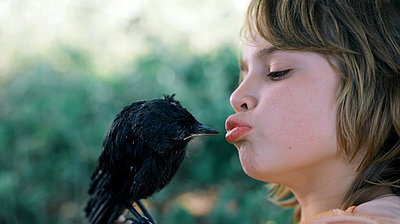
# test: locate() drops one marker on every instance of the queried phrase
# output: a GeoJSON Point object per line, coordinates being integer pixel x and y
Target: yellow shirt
{"type": "Point", "coordinates": [383, 210]}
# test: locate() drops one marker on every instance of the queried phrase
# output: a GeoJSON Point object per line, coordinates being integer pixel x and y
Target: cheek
{"type": "Point", "coordinates": [298, 128]}
{"type": "Point", "coordinates": [300, 122]}
{"type": "Point", "coordinates": [293, 134]}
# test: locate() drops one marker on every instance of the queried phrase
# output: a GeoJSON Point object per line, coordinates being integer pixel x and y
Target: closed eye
{"type": "Point", "coordinates": [278, 75]}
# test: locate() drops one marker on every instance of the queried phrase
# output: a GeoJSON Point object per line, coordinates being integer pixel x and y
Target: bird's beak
{"type": "Point", "coordinates": [201, 130]}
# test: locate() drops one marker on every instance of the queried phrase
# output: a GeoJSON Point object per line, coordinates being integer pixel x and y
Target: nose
{"type": "Point", "coordinates": [243, 99]}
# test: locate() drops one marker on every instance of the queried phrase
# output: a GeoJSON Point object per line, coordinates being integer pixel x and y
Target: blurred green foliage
{"type": "Point", "coordinates": [53, 117]}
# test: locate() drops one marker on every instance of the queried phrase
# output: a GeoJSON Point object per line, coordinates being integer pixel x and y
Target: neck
{"type": "Point", "coordinates": [322, 186]}
{"type": "Point", "coordinates": [319, 198]}
{"type": "Point", "coordinates": [322, 189]}
{"type": "Point", "coordinates": [313, 203]}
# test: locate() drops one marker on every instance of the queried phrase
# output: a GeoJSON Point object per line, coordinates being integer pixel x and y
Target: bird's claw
{"type": "Point", "coordinates": [142, 221]}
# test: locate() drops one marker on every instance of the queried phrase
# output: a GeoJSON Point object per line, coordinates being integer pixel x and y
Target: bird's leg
{"type": "Point", "coordinates": [146, 212]}
{"type": "Point", "coordinates": [133, 211]}
{"type": "Point", "coordinates": [139, 218]}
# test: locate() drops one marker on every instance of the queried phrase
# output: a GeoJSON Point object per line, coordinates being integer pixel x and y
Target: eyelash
{"type": "Point", "coordinates": [278, 75]}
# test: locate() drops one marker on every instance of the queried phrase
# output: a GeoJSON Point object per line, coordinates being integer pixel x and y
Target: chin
{"type": "Point", "coordinates": [253, 174]}
{"type": "Point", "coordinates": [251, 169]}
{"type": "Point", "coordinates": [248, 161]}
{"type": "Point", "coordinates": [264, 174]}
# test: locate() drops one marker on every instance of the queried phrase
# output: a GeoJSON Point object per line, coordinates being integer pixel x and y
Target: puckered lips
{"type": "Point", "coordinates": [235, 128]}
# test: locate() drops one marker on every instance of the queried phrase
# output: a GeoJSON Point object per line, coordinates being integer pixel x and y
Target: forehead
{"type": "Point", "coordinates": [256, 50]}
{"type": "Point", "coordinates": [256, 45]}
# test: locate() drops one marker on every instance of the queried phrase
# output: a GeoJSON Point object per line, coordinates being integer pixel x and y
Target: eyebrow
{"type": "Point", "coordinates": [259, 54]}
{"type": "Point", "coordinates": [266, 51]}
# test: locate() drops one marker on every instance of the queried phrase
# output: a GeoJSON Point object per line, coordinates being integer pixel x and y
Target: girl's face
{"type": "Point", "coordinates": [285, 122]}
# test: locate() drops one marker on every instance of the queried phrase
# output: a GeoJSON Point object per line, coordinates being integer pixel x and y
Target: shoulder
{"type": "Point", "coordinates": [384, 210]}
{"type": "Point", "coordinates": [337, 216]}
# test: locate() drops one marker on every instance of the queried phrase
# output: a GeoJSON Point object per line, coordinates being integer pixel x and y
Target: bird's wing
{"type": "Point", "coordinates": [102, 206]}
{"type": "Point", "coordinates": [110, 182]}
{"type": "Point", "coordinates": [143, 186]}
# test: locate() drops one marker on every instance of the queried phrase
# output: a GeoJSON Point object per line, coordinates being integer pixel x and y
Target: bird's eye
{"type": "Point", "coordinates": [278, 75]}
{"type": "Point", "coordinates": [175, 139]}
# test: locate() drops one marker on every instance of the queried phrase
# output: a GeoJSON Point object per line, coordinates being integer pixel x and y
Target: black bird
{"type": "Point", "coordinates": [141, 153]}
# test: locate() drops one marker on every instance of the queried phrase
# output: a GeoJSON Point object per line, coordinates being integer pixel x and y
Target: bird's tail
{"type": "Point", "coordinates": [102, 206]}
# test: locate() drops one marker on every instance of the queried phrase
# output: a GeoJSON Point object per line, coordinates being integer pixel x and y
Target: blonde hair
{"type": "Point", "coordinates": [363, 38]}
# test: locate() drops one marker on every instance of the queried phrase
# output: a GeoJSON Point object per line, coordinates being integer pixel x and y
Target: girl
{"type": "Point", "coordinates": [318, 107]}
